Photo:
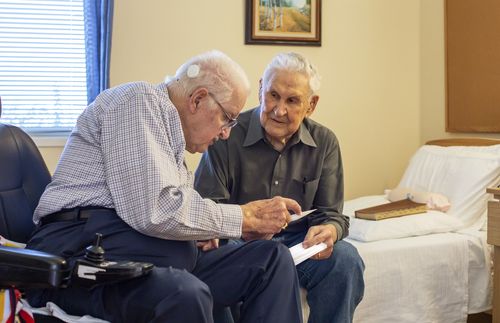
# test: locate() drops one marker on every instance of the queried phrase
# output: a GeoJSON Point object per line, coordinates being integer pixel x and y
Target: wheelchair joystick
{"type": "Point", "coordinates": [93, 270]}
{"type": "Point", "coordinates": [95, 253]}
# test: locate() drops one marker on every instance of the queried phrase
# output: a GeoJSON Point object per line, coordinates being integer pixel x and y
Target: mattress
{"type": "Point", "coordinates": [432, 278]}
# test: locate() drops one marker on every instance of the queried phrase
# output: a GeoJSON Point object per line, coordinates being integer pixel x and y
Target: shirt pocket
{"type": "Point", "coordinates": [305, 191]}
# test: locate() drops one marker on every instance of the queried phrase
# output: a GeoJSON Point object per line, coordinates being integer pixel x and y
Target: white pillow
{"type": "Point", "coordinates": [460, 173]}
{"type": "Point", "coordinates": [401, 227]}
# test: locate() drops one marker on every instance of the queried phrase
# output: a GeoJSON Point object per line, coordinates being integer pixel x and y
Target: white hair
{"type": "Point", "coordinates": [294, 62]}
{"type": "Point", "coordinates": [215, 71]}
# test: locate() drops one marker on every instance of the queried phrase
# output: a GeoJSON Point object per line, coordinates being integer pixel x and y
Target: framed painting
{"type": "Point", "coordinates": [283, 22]}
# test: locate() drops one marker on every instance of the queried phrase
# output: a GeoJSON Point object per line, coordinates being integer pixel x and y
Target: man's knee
{"type": "Point", "coordinates": [177, 295]}
{"type": "Point", "coordinates": [347, 256]}
{"type": "Point", "coordinates": [273, 250]}
{"type": "Point", "coordinates": [193, 290]}
{"type": "Point", "coordinates": [350, 270]}
{"type": "Point", "coordinates": [182, 286]}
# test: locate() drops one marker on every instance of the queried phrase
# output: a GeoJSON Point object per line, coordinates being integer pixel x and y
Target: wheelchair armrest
{"type": "Point", "coordinates": [26, 269]}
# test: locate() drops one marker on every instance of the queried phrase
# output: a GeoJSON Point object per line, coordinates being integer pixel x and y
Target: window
{"type": "Point", "coordinates": [42, 64]}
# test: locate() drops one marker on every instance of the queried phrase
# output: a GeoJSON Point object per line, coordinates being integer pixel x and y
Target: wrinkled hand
{"type": "Point", "coordinates": [326, 233]}
{"type": "Point", "coordinates": [264, 218]}
{"type": "Point", "coordinates": [207, 245]}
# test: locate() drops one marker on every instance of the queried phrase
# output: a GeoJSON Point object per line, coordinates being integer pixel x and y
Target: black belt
{"type": "Point", "coordinates": [75, 214]}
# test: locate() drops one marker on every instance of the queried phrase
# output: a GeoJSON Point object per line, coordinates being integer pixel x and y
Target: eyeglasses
{"type": "Point", "coordinates": [231, 122]}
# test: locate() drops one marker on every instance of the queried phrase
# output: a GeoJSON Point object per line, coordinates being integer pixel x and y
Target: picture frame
{"type": "Point", "coordinates": [283, 22]}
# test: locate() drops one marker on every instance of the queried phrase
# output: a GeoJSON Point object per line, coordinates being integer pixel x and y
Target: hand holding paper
{"type": "Point", "coordinates": [265, 217]}
{"type": "Point", "coordinates": [299, 253]}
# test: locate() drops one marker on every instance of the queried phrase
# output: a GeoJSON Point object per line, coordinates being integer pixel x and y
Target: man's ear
{"type": "Point", "coordinates": [312, 105]}
{"type": "Point", "coordinates": [196, 97]}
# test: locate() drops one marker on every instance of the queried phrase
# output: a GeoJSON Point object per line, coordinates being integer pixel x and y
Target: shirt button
{"type": "Point", "coordinates": [275, 182]}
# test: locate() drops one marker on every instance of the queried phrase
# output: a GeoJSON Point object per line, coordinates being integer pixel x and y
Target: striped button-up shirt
{"type": "Point", "coordinates": [127, 152]}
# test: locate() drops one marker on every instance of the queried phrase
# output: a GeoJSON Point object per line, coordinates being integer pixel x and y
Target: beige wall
{"type": "Point", "coordinates": [369, 61]}
{"type": "Point", "coordinates": [382, 65]}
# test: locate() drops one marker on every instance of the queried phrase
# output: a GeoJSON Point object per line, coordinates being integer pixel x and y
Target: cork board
{"type": "Point", "coordinates": [472, 40]}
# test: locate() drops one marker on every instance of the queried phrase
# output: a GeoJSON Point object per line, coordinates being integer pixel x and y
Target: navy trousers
{"type": "Point", "coordinates": [185, 286]}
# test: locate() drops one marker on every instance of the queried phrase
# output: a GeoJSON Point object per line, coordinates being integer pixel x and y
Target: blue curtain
{"type": "Point", "coordinates": [98, 15]}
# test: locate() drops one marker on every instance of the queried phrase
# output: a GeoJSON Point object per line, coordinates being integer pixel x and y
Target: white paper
{"type": "Point", "coordinates": [295, 217]}
{"type": "Point", "coordinates": [299, 253]}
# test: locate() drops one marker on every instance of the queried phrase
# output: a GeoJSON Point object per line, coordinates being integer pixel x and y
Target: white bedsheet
{"type": "Point", "coordinates": [480, 271]}
{"type": "Point", "coordinates": [433, 278]}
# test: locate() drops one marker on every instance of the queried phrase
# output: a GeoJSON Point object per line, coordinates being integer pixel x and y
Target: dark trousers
{"type": "Point", "coordinates": [186, 285]}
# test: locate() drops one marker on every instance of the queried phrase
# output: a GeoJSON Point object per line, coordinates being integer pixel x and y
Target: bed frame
{"type": "Point", "coordinates": [464, 142]}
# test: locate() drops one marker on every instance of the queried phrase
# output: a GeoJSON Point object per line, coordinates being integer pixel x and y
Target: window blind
{"type": "Point", "coordinates": [42, 63]}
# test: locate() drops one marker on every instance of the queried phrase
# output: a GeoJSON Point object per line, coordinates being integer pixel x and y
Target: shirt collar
{"type": "Point", "coordinates": [256, 132]}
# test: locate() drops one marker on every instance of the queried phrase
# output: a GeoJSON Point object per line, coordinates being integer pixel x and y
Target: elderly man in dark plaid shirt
{"type": "Point", "coordinates": [276, 149]}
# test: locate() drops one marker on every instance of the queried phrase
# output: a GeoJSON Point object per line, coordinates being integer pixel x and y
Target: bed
{"type": "Point", "coordinates": [437, 266]}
